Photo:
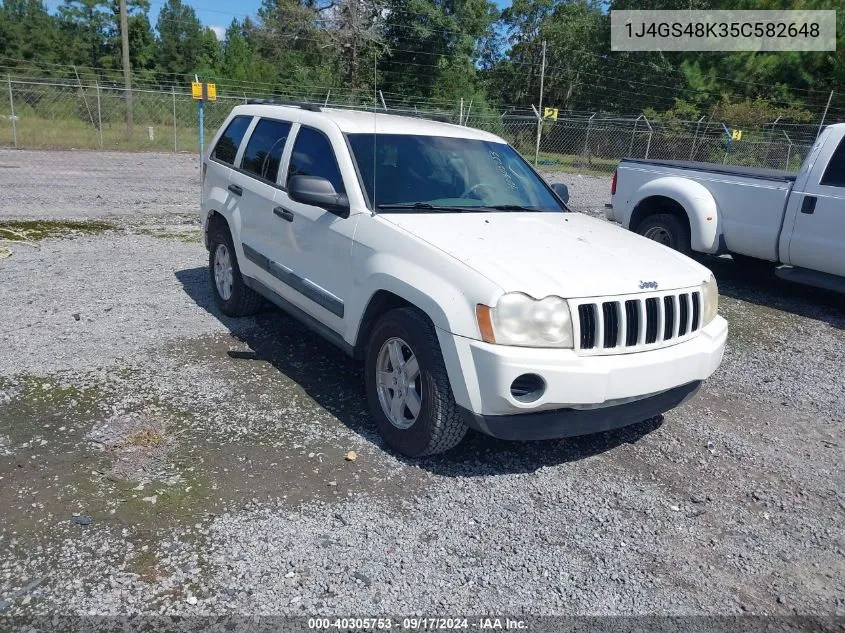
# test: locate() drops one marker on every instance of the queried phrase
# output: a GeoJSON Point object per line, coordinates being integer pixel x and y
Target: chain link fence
{"type": "Point", "coordinates": [596, 143]}
{"type": "Point", "coordinates": [61, 114]}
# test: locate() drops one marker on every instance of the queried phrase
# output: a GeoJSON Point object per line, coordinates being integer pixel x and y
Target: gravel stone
{"type": "Point", "coordinates": [238, 430]}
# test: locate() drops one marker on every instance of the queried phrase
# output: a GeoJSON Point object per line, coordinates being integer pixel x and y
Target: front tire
{"type": "Point", "coordinates": [408, 388]}
{"type": "Point", "coordinates": [668, 230]}
{"type": "Point", "coordinates": [231, 294]}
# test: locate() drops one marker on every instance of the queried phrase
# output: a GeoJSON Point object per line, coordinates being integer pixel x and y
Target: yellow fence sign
{"type": "Point", "coordinates": [203, 91]}
{"type": "Point", "coordinates": [736, 135]}
{"type": "Point", "coordinates": [550, 113]}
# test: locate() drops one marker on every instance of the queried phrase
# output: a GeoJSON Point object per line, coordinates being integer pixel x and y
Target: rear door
{"type": "Point", "coordinates": [255, 184]}
{"type": "Point", "coordinates": [219, 165]}
{"type": "Point", "coordinates": [818, 236]}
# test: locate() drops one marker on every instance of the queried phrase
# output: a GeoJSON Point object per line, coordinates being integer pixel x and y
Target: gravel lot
{"type": "Point", "coordinates": [158, 457]}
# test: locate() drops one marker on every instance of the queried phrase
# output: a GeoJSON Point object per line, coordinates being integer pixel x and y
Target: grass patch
{"type": "Point", "coordinates": [145, 438]}
{"type": "Point", "coordinates": [68, 133]}
{"type": "Point", "coordinates": [183, 236]}
{"type": "Point", "coordinates": [34, 230]}
{"type": "Point", "coordinates": [146, 566]}
{"type": "Point", "coordinates": [576, 164]}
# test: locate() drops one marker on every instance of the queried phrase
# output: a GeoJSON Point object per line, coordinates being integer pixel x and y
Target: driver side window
{"type": "Point", "coordinates": [313, 156]}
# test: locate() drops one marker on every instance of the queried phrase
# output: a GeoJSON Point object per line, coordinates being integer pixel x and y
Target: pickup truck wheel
{"type": "Point", "coordinates": [666, 229]}
{"type": "Point", "coordinates": [407, 386]}
{"type": "Point", "coordinates": [231, 294]}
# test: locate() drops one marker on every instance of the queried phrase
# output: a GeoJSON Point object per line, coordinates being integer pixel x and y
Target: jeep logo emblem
{"type": "Point", "coordinates": [648, 284]}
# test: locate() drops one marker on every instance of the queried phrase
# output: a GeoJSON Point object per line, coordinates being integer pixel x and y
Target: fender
{"type": "Point", "coordinates": [438, 297]}
{"type": "Point", "coordinates": [698, 204]}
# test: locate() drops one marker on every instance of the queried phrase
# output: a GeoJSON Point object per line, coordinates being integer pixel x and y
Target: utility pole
{"type": "Point", "coordinates": [127, 71]}
{"type": "Point", "coordinates": [540, 110]}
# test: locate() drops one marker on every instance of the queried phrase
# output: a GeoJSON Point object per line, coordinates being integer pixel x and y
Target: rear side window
{"type": "Point", "coordinates": [313, 156]}
{"type": "Point", "coordinates": [227, 147]}
{"type": "Point", "coordinates": [834, 175]}
{"type": "Point", "coordinates": [264, 150]}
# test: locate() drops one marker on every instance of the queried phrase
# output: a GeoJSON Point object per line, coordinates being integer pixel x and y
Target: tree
{"type": "Point", "coordinates": [28, 32]}
{"type": "Point", "coordinates": [90, 26]}
{"type": "Point", "coordinates": [180, 39]}
{"type": "Point", "coordinates": [433, 45]}
{"type": "Point", "coordinates": [240, 62]}
{"type": "Point", "coordinates": [142, 44]}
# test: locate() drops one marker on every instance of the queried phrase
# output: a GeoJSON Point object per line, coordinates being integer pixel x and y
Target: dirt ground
{"type": "Point", "coordinates": [159, 457]}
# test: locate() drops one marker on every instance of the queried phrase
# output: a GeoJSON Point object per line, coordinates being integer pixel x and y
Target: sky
{"type": "Point", "coordinates": [217, 14]}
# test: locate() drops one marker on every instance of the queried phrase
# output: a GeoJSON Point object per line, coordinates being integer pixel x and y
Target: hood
{"type": "Point", "coordinates": [566, 254]}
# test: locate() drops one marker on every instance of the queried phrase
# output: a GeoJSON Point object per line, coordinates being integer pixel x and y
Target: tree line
{"type": "Point", "coordinates": [431, 51]}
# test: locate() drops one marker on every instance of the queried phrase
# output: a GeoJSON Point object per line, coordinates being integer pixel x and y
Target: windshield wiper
{"type": "Point", "coordinates": [421, 206]}
{"type": "Point", "coordinates": [509, 207]}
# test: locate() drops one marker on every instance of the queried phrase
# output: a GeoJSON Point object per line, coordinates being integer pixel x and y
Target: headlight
{"type": "Point", "coordinates": [710, 294]}
{"type": "Point", "coordinates": [520, 320]}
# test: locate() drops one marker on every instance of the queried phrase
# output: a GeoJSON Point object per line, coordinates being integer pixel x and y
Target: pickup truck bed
{"type": "Point", "coordinates": [793, 219]}
{"type": "Point", "coordinates": [728, 170]}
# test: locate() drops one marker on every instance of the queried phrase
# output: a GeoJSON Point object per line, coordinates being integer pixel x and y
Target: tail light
{"type": "Point", "coordinates": [613, 184]}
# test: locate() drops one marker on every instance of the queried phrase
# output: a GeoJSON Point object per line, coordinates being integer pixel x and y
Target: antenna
{"type": "Point", "coordinates": [375, 123]}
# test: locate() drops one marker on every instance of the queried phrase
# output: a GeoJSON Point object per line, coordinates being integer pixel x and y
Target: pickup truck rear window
{"type": "Point", "coordinates": [421, 172]}
{"type": "Point", "coordinates": [834, 175]}
{"type": "Point", "coordinates": [227, 147]}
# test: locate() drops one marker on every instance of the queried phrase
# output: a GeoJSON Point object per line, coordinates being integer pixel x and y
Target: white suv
{"type": "Point", "coordinates": [436, 254]}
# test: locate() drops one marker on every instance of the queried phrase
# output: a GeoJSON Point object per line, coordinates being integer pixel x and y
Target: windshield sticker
{"type": "Point", "coordinates": [498, 160]}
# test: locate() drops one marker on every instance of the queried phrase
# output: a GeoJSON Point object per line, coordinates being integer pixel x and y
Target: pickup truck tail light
{"type": "Point", "coordinates": [613, 184]}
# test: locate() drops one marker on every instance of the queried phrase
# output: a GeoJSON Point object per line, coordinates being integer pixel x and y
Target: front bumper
{"type": "Point", "coordinates": [545, 425]}
{"type": "Point", "coordinates": [481, 374]}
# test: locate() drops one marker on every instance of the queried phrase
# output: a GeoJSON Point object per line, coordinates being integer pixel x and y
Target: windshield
{"type": "Point", "coordinates": [437, 173]}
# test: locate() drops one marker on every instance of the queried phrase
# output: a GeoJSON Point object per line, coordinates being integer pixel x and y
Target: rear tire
{"type": "Point", "coordinates": [666, 229]}
{"type": "Point", "coordinates": [231, 294]}
{"type": "Point", "coordinates": [408, 389]}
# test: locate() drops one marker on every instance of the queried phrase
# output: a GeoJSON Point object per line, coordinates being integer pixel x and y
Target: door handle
{"type": "Point", "coordinates": [808, 205]}
{"type": "Point", "coordinates": [283, 213]}
{"type": "Point", "coordinates": [237, 190]}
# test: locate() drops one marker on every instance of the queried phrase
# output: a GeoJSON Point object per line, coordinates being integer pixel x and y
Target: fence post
{"type": "Point", "coordinates": [633, 134]}
{"type": "Point", "coordinates": [175, 143]}
{"type": "Point", "coordinates": [695, 138]}
{"type": "Point", "coordinates": [788, 149]}
{"type": "Point", "coordinates": [99, 114]}
{"type": "Point", "coordinates": [12, 112]}
{"type": "Point", "coordinates": [771, 138]}
{"type": "Point", "coordinates": [650, 133]}
{"type": "Point", "coordinates": [587, 137]}
{"type": "Point", "coordinates": [821, 123]}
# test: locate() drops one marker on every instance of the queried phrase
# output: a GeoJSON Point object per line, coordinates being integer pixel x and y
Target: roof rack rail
{"type": "Point", "coordinates": [311, 107]}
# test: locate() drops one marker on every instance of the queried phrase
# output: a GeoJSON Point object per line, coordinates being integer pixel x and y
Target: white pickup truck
{"type": "Point", "coordinates": [439, 257]}
{"type": "Point", "coordinates": [756, 215]}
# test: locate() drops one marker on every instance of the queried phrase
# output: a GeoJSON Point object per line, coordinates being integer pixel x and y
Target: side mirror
{"type": "Point", "coordinates": [561, 190]}
{"type": "Point", "coordinates": [318, 192]}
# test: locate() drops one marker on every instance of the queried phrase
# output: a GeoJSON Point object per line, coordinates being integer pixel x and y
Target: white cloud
{"type": "Point", "coordinates": [219, 31]}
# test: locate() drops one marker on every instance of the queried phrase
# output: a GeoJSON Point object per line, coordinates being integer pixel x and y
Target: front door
{"type": "Point", "coordinates": [312, 245]}
{"type": "Point", "coordinates": [818, 236]}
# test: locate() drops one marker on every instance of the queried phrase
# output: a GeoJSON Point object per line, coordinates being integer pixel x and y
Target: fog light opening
{"type": "Point", "coordinates": [528, 388]}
